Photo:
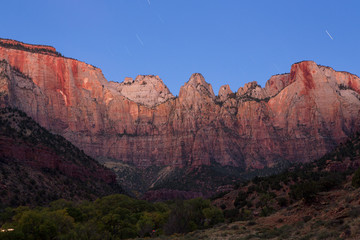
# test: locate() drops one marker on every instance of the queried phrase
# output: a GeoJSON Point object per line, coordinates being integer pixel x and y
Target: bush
{"type": "Point", "coordinates": [306, 190]}
{"type": "Point", "coordinates": [186, 216]}
{"type": "Point", "coordinates": [212, 216]}
{"type": "Point", "coordinates": [283, 202]}
{"type": "Point", "coordinates": [275, 186]}
{"type": "Point", "coordinates": [266, 211]}
{"type": "Point", "coordinates": [307, 218]}
{"type": "Point", "coordinates": [240, 200]}
{"type": "Point", "coordinates": [356, 179]}
{"type": "Point", "coordinates": [245, 214]}
{"type": "Point", "coordinates": [330, 181]}
{"type": "Point", "coordinates": [231, 214]}
{"type": "Point", "coordinates": [251, 189]}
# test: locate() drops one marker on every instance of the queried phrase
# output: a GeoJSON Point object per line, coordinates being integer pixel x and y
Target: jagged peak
{"type": "Point", "coordinates": [276, 83]}
{"type": "Point", "coordinates": [302, 70]}
{"type": "Point", "coordinates": [224, 89]}
{"type": "Point", "coordinates": [224, 92]}
{"type": "Point", "coordinates": [148, 90]}
{"type": "Point", "coordinates": [197, 78]}
{"type": "Point", "coordinates": [308, 73]}
{"type": "Point", "coordinates": [143, 80]}
{"type": "Point", "coordinates": [299, 70]}
{"type": "Point", "coordinates": [197, 83]}
{"type": "Point", "coordinates": [248, 88]}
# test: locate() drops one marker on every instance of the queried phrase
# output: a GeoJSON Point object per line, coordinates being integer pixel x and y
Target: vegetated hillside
{"type": "Point", "coordinates": [37, 167]}
{"type": "Point", "coordinates": [312, 201]}
{"type": "Point", "coordinates": [301, 181]}
{"type": "Point", "coordinates": [318, 200]}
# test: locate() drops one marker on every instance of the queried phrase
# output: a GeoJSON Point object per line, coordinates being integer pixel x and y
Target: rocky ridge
{"type": "Point", "coordinates": [147, 90]}
{"type": "Point", "coordinates": [296, 117]}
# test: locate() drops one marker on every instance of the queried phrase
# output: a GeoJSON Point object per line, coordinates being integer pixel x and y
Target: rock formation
{"type": "Point", "coordinates": [224, 93]}
{"type": "Point", "coordinates": [147, 90]}
{"type": "Point", "coordinates": [296, 117]}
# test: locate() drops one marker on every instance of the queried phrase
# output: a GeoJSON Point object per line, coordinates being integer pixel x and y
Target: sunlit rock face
{"type": "Point", "coordinates": [147, 90]}
{"type": "Point", "coordinates": [296, 117]}
{"type": "Point", "coordinates": [224, 92]}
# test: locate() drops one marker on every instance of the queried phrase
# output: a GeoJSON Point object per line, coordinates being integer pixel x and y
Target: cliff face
{"type": "Point", "coordinates": [297, 117]}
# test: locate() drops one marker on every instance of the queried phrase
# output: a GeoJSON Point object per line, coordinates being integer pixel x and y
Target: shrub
{"type": "Point", "coordinates": [283, 202]}
{"type": "Point", "coordinates": [240, 200]}
{"type": "Point", "coordinates": [212, 216]}
{"type": "Point", "coordinates": [266, 211]}
{"type": "Point", "coordinates": [251, 189]}
{"type": "Point", "coordinates": [275, 186]}
{"type": "Point", "coordinates": [307, 218]}
{"type": "Point", "coordinates": [330, 181]}
{"type": "Point", "coordinates": [245, 214]}
{"type": "Point", "coordinates": [306, 190]}
{"type": "Point", "coordinates": [356, 178]}
{"type": "Point", "coordinates": [231, 214]}
{"type": "Point", "coordinates": [251, 223]}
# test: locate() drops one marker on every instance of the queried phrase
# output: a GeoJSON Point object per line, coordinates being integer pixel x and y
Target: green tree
{"type": "Point", "coordinates": [43, 224]}
{"type": "Point", "coordinates": [212, 216]}
{"type": "Point", "coordinates": [145, 225]}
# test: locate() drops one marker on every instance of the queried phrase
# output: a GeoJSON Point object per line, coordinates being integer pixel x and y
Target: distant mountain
{"type": "Point", "coordinates": [156, 141]}
{"type": "Point", "coordinates": [37, 167]}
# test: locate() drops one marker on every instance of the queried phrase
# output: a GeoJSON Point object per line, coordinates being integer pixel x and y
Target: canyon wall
{"type": "Point", "coordinates": [296, 117]}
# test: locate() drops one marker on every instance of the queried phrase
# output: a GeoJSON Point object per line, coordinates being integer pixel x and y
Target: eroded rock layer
{"type": "Point", "coordinates": [297, 117]}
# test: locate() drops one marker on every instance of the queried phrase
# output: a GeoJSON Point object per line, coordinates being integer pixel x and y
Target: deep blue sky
{"type": "Point", "coordinates": [229, 41]}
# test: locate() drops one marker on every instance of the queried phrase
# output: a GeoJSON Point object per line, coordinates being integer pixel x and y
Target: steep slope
{"type": "Point", "coordinates": [37, 167]}
{"type": "Point", "coordinates": [316, 200]}
{"type": "Point", "coordinates": [297, 117]}
{"type": "Point", "coordinates": [299, 181]}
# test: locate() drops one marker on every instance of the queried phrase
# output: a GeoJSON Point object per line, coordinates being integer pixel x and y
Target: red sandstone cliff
{"type": "Point", "coordinates": [297, 117]}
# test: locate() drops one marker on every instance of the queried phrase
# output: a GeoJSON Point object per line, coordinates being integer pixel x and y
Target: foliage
{"type": "Point", "coordinates": [263, 195]}
{"type": "Point", "coordinates": [240, 200]}
{"type": "Point", "coordinates": [344, 87]}
{"type": "Point", "coordinates": [283, 202]}
{"type": "Point", "coordinates": [186, 216]}
{"type": "Point", "coordinates": [111, 217]}
{"type": "Point", "coordinates": [356, 178]}
{"type": "Point", "coordinates": [231, 214]}
{"type": "Point", "coordinates": [306, 190]}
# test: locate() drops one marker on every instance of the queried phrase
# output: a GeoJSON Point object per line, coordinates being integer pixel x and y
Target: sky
{"type": "Point", "coordinates": [229, 41]}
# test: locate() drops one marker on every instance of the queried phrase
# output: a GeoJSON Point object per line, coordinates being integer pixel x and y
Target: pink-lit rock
{"type": "Point", "coordinates": [297, 117]}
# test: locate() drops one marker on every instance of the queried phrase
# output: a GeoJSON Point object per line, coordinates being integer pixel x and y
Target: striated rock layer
{"type": "Point", "coordinates": [297, 117]}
